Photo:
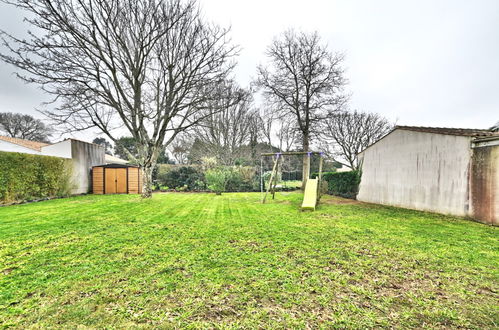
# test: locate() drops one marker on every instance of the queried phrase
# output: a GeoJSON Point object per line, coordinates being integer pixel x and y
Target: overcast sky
{"type": "Point", "coordinates": [427, 63]}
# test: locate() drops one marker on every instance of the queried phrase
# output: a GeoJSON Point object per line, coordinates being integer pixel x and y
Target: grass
{"type": "Point", "coordinates": [199, 260]}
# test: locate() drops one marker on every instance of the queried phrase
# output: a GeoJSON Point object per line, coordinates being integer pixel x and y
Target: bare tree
{"type": "Point", "coordinates": [348, 133]}
{"type": "Point", "coordinates": [180, 148]}
{"type": "Point", "coordinates": [144, 66]}
{"type": "Point", "coordinates": [24, 127]}
{"type": "Point", "coordinates": [254, 134]}
{"type": "Point", "coordinates": [229, 125]}
{"type": "Point", "coordinates": [288, 135]}
{"type": "Point", "coordinates": [268, 120]}
{"type": "Point", "coordinates": [303, 80]}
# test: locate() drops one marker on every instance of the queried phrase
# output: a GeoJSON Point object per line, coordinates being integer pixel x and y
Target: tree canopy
{"type": "Point", "coordinates": [26, 127]}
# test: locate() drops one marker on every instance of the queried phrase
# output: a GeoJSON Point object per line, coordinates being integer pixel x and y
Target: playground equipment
{"type": "Point", "coordinates": [312, 193]}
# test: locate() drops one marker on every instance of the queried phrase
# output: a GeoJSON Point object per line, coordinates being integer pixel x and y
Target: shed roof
{"type": "Point", "coordinates": [450, 131]}
{"type": "Point", "coordinates": [115, 165]}
{"type": "Point", "coordinates": [34, 145]}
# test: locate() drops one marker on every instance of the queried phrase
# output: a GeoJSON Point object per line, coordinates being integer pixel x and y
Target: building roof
{"type": "Point", "coordinates": [114, 160]}
{"type": "Point", "coordinates": [34, 145]}
{"type": "Point", "coordinates": [469, 132]}
{"type": "Point", "coordinates": [450, 131]}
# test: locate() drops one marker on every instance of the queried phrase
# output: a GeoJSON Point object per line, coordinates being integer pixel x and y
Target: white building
{"type": "Point", "coordinates": [84, 155]}
{"type": "Point", "coordinates": [445, 170]}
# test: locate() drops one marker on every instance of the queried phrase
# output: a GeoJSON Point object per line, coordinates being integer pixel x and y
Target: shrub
{"type": "Point", "coordinates": [217, 179]}
{"type": "Point", "coordinates": [26, 177]}
{"type": "Point", "coordinates": [241, 178]}
{"type": "Point", "coordinates": [268, 174]}
{"type": "Point", "coordinates": [185, 178]}
{"type": "Point", "coordinates": [344, 184]}
{"type": "Point", "coordinates": [160, 174]}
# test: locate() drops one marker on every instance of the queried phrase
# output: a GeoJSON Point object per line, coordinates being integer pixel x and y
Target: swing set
{"type": "Point", "coordinates": [312, 193]}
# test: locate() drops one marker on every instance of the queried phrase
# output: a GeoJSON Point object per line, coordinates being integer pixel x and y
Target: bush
{"type": "Point", "coordinates": [184, 178]}
{"type": "Point", "coordinates": [192, 178]}
{"type": "Point", "coordinates": [241, 178]}
{"type": "Point", "coordinates": [217, 179]}
{"type": "Point", "coordinates": [27, 177]}
{"type": "Point", "coordinates": [344, 184]}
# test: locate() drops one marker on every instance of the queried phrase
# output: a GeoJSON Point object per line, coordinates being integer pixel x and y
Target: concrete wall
{"type": "Point", "coordinates": [12, 147]}
{"type": "Point", "coordinates": [84, 155]}
{"type": "Point", "coordinates": [417, 170]}
{"type": "Point", "coordinates": [484, 184]}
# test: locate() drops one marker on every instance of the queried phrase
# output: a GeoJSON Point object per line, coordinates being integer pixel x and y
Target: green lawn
{"type": "Point", "coordinates": [202, 260]}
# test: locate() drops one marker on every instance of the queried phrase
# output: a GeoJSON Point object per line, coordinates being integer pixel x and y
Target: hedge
{"type": "Point", "coordinates": [188, 178]}
{"type": "Point", "coordinates": [344, 184]}
{"type": "Point", "coordinates": [27, 177]}
{"type": "Point", "coordinates": [192, 178]}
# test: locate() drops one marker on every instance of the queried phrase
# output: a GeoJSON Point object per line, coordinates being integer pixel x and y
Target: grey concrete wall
{"type": "Point", "coordinates": [418, 170]}
{"type": "Point", "coordinates": [484, 184]}
{"type": "Point", "coordinates": [84, 155]}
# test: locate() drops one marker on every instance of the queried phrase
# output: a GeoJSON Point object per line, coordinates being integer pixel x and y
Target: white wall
{"type": "Point", "coordinates": [12, 147]}
{"type": "Point", "coordinates": [423, 171]}
{"type": "Point", "coordinates": [60, 149]}
{"type": "Point", "coordinates": [85, 156]}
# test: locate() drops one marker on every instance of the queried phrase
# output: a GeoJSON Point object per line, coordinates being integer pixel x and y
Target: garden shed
{"type": "Point", "coordinates": [116, 179]}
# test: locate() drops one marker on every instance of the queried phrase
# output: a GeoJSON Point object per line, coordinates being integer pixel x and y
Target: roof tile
{"type": "Point", "coordinates": [35, 145]}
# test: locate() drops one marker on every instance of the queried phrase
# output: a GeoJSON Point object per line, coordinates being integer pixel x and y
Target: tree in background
{"type": "Point", "coordinates": [288, 135]}
{"type": "Point", "coordinates": [147, 66]}
{"type": "Point", "coordinates": [348, 133]}
{"type": "Point", "coordinates": [180, 148]}
{"type": "Point", "coordinates": [125, 147]}
{"type": "Point", "coordinates": [104, 143]}
{"type": "Point", "coordinates": [25, 127]}
{"type": "Point", "coordinates": [164, 158]}
{"type": "Point", "coordinates": [227, 127]}
{"type": "Point", "coordinates": [302, 81]}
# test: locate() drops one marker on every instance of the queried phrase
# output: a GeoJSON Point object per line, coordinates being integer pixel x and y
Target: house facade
{"type": "Point", "coordinates": [444, 170]}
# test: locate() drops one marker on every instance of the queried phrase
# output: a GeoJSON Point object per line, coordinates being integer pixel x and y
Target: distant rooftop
{"type": "Point", "coordinates": [34, 145]}
{"type": "Point", "coordinates": [450, 131]}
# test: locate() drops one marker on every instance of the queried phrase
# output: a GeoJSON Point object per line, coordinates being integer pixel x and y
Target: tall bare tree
{"type": "Point", "coordinates": [268, 120]}
{"type": "Point", "coordinates": [180, 148]}
{"type": "Point", "coordinates": [229, 125]}
{"type": "Point", "coordinates": [348, 133]}
{"type": "Point", "coordinates": [144, 66]}
{"type": "Point", "coordinates": [25, 127]}
{"type": "Point", "coordinates": [288, 135]}
{"type": "Point", "coordinates": [303, 79]}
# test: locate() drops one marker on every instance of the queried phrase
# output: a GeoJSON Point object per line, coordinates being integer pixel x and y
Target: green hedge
{"type": "Point", "coordinates": [344, 184]}
{"type": "Point", "coordinates": [27, 177]}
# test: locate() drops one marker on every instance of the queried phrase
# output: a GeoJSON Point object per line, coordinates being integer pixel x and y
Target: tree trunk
{"type": "Point", "coordinates": [306, 161]}
{"type": "Point", "coordinates": [146, 181]}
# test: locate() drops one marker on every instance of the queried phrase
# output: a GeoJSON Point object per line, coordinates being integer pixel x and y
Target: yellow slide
{"type": "Point", "coordinates": [310, 196]}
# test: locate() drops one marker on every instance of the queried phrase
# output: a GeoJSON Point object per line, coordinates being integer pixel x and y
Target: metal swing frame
{"type": "Point", "coordinates": [273, 176]}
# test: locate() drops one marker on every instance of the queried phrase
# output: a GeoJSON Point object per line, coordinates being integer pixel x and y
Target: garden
{"type": "Point", "coordinates": [200, 260]}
